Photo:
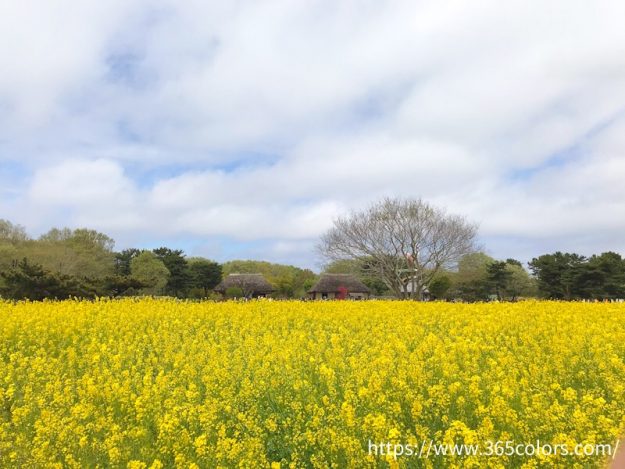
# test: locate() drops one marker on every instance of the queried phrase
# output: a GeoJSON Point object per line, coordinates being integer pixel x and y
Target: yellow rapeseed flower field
{"type": "Point", "coordinates": [145, 383]}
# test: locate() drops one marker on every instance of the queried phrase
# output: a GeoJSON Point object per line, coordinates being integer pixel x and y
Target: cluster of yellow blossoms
{"type": "Point", "coordinates": [145, 383]}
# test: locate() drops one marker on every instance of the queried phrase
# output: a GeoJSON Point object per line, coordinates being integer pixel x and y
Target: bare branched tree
{"type": "Point", "coordinates": [405, 242]}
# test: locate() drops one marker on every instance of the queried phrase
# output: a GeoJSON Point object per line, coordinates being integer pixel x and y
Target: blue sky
{"type": "Point", "coordinates": [241, 129]}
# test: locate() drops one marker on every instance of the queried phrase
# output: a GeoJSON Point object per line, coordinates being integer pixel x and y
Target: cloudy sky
{"type": "Point", "coordinates": [240, 129]}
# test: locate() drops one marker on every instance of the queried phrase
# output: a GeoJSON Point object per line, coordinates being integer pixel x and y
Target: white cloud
{"type": "Point", "coordinates": [81, 183]}
{"type": "Point", "coordinates": [51, 49]}
{"type": "Point", "coordinates": [144, 118]}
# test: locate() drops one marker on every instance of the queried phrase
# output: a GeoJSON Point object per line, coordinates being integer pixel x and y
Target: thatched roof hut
{"type": "Point", "coordinates": [339, 286]}
{"type": "Point", "coordinates": [252, 285]}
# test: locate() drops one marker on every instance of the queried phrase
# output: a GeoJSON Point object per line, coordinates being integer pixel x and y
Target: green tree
{"type": "Point", "coordinates": [284, 287]}
{"type": "Point", "coordinates": [8, 256]}
{"type": "Point", "coordinates": [29, 281]}
{"type": "Point", "coordinates": [150, 271]}
{"type": "Point", "coordinates": [470, 282]}
{"type": "Point", "coordinates": [520, 284]}
{"type": "Point", "coordinates": [11, 233]}
{"type": "Point", "coordinates": [603, 277]}
{"type": "Point", "coordinates": [479, 277]}
{"type": "Point", "coordinates": [498, 276]}
{"type": "Point", "coordinates": [118, 285]}
{"type": "Point", "coordinates": [77, 253]}
{"type": "Point", "coordinates": [12, 241]}
{"type": "Point", "coordinates": [613, 267]}
{"type": "Point", "coordinates": [178, 267]}
{"type": "Point", "coordinates": [205, 274]}
{"type": "Point", "coordinates": [122, 260]}
{"type": "Point", "coordinates": [558, 275]}
{"type": "Point", "coordinates": [439, 287]}
{"type": "Point", "coordinates": [302, 280]}
{"type": "Point", "coordinates": [234, 292]}
{"type": "Point", "coordinates": [344, 266]}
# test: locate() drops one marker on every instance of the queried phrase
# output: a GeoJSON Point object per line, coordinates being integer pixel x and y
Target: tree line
{"type": "Point", "coordinates": [404, 253]}
{"type": "Point", "coordinates": [410, 249]}
{"type": "Point", "coordinates": [570, 276]}
{"type": "Point", "coordinates": [66, 263]}
{"type": "Point", "coordinates": [479, 277]}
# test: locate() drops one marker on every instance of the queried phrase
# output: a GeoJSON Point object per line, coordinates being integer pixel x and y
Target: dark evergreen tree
{"type": "Point", "coordinates": [559, 275]}
{"type": "Point", "coordinates": [29, 281]}
{"type": "Point", "coordinates": [205, 274]}
{"type": "Point", "coordinates": [603, 277]}
{"type": "Point", "coordinates": [498, 276]}
{"type": "Point", "coordinates": [123, 259]}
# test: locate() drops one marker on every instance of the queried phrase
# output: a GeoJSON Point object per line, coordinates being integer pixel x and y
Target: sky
{"type": "Point", "coordinates": [241, 129]}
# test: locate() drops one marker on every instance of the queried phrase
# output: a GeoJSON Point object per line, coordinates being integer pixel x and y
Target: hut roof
{"type": "Point", "coordinates": [249, 283]}
{"type": "Point", "coordinates": [330, 283]}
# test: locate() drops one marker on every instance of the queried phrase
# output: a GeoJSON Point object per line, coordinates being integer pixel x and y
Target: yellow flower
{"type": "Point", "coordinates": [136, 465]}
{"type": "Point", "coordinates": [295, 384]}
